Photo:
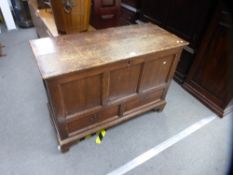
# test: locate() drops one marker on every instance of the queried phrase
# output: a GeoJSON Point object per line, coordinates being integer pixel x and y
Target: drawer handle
{"type": "Point", "coordinates": [164, 62]}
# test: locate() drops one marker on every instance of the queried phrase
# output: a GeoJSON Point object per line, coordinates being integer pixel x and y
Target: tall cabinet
{"type": "Point", "coordinates": [211, 76]}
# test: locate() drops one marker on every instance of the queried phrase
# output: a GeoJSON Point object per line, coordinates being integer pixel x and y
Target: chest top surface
{"type": "Point", "coordinates": [71, 53]}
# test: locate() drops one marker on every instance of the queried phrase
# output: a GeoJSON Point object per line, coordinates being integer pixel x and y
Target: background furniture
{"type": "Point", "coordinates": [21, 13]}
{"type": "Point", "coordinates": [71, 16]}
{"type": "Point", "coordinates": [211, 76]}
{"type": "Point", "coordinates": [43, 20]}
{"type": "Point", "coordinates": [185, 18]}
{"type": "Point", "coordinates": [105, 13]}
{"type": "Point", "coordinates": [99, 79]}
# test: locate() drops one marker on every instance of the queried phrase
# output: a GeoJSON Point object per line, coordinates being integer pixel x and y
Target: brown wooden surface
{"type": "Point", "coordinates": [211, 76]}
{"type": "Point", "coordinates": [65, 54]}
{"type": "Point", "coordinates": [73, 21]}
{"type": "Point", "coordinates": [43, 20]}
{"type": "Point", "coordinates": [99, 79]}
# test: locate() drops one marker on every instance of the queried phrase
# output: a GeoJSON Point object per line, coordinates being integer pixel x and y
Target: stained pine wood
{"type": "Point", "coordinates": [99, 79]}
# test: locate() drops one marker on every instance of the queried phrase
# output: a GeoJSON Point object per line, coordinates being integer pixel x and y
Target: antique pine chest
{"type": "Point", "coordinates": [99, 79]}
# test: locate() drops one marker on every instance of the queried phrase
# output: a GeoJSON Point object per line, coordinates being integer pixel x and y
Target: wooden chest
{"type": "Point", "coordinates": [99, 79]}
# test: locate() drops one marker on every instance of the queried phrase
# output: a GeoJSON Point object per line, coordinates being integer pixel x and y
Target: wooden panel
{"type": "Point", "coordinates": [83, 121]}
{"type": "Point", "coordinates": [76, 19]}
{"type": "Point", "coordinates": [81, 94]}
{"type": "Point", "coordinates": [144, 99]}
{"type": "Point", "coordinates": [133, 3]}
{"type": "Point", "coordinates": [123, 82]}
{"type": "Point", "coordinates": [155, 73]}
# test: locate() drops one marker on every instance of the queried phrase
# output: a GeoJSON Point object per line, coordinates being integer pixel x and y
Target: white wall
{"type": "Point", "coordinates": [7, 15]}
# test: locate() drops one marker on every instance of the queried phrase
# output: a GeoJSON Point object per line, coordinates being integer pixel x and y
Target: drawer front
{"type": "Point", "coordinates": [144, 99]}
{"type": "Point", "coordinates": [85, 121]}
{"type": "Point", "coordinates": [82, 122]}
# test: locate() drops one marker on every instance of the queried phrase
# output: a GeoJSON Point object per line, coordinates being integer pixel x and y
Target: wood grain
{"type": "Point", "coordinates": [66, 54]}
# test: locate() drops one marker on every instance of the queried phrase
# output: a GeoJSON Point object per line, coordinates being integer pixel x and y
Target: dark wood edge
{"type": "Point", "coordinates": [191, 87]}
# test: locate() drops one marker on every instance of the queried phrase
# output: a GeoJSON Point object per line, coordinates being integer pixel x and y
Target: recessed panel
{"type": "Point", "coordinates": [156, 72]}
{"type": "Point", "coordinates": [81, 94]}
{"type": "Point", "coordinates": [123, 82]}
{"type": "Point", "coordinates": [144, 99]}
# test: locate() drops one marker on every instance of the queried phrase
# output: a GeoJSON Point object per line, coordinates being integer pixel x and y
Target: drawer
{"type": "Point", "coordinates": [144, 99]}
{"type": "Point", "coordinates": [84, 121]}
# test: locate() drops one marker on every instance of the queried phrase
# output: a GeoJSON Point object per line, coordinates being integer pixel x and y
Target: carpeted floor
{"type": "Point", "coordinates": [28, 143]}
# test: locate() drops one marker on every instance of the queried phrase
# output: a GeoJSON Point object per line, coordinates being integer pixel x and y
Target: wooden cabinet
{"type": "Point", "coordinates": [105, 13]}
{"type": "Point", "coordinates": [44, 22]}
{"type": "Point", "coordinates": [210, 78]}
{"type": "Point", "coordinates": [99, 79]}
{"type": "Point", "coordinates": [185, 18]}
{"type": "Point", "coordinates": [71, 16]}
